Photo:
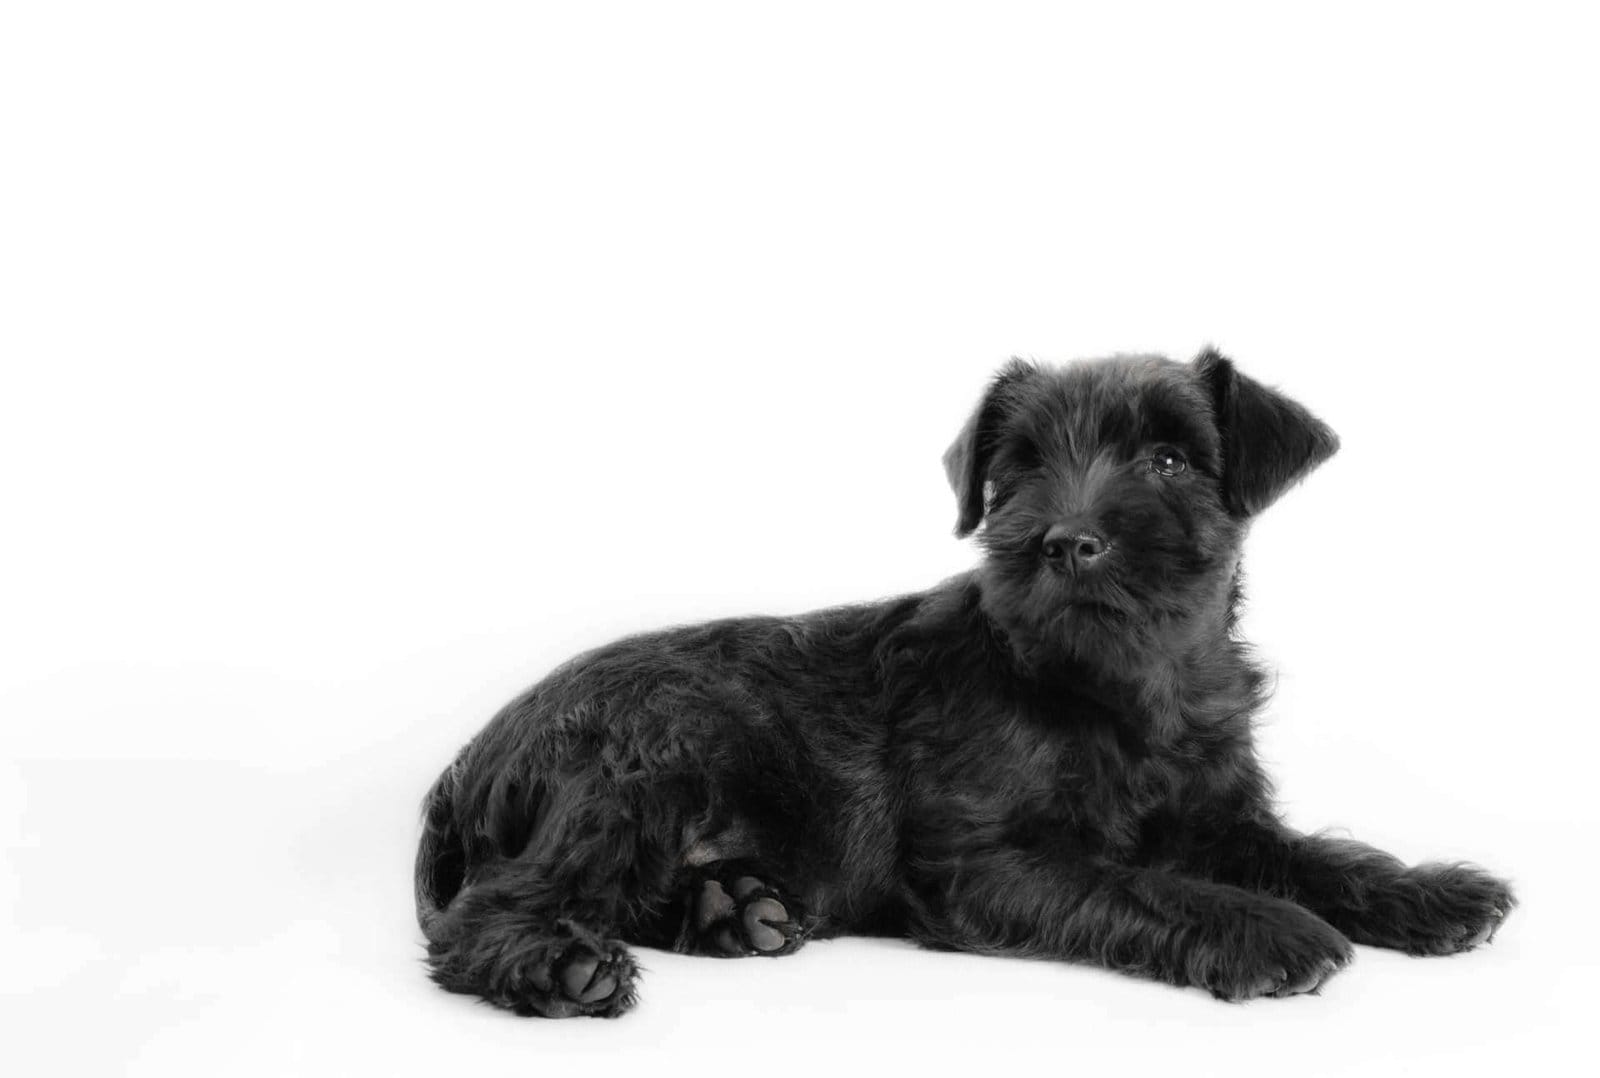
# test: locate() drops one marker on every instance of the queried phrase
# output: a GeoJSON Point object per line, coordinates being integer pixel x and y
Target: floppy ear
{"type": "Point", "coordinates": [966, 462]}
{"type": "Point", "coordinates": [1269, 442]}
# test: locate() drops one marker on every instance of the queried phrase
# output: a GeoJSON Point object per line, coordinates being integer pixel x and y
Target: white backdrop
{"type": "Point", "coordinates": [363, 361]}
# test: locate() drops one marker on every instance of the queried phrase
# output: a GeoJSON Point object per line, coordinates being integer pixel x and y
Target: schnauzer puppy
{"type": "Point", "coordinates": [1050, 755]}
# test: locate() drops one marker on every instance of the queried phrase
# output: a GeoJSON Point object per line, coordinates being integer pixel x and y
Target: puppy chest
{"type": "Point", "coordinates": [1089, 793]}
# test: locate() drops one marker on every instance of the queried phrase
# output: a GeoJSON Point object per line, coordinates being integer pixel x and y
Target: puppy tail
{"type": "Point", "coordinates": [442, 855]}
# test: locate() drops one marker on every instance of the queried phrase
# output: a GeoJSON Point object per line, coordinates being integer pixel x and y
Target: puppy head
{"type": "Point", "coordinates": [1115, 493]}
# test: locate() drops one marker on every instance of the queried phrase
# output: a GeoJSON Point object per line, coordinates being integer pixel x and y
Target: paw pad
{"type": "Point", "coordinates": [744, 917]}
{"type": "Point", "coordinates": [576, 976]}
{"type": "Point", "coordinates": [585, 980]}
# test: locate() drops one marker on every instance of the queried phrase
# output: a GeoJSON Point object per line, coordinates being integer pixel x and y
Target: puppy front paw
{"type": "Point", "coordinates": [1436, 909]}
{"type": "Point", "coordinates": [1278, 950]}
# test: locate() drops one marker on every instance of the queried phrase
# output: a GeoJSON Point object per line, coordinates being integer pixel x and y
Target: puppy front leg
{"type": "Point", "coordinates": [1371, 896]}
{"type": "Point", "coordinates": [1236, 944]}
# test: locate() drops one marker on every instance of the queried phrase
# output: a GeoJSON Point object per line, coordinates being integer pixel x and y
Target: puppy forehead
{"type": "Point", "coordinates": [1123, 401]}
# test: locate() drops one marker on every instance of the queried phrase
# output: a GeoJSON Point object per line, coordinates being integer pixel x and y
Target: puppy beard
{"type": "Point", "coordinates": [1055, 621]}
{"type": "Point", "coordinates": [1051, 621]}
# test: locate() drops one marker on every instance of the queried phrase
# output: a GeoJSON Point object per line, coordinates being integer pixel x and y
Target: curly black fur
{"type": "Point", "coordinates": [1050, 755]}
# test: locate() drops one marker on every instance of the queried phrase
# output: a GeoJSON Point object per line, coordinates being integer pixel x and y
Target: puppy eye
{"type": "Point", "coordinates": [1168, 461]}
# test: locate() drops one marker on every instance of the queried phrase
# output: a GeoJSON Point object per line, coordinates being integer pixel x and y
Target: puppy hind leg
{"type": "Point", "coordinates": [542, 933]}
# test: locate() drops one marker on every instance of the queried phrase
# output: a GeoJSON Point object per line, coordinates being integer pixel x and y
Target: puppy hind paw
{"type": "Point", "coordinates": [744, 917]}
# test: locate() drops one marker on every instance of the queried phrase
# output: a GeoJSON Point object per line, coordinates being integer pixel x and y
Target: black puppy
{"type": "Point", "coordinates": [1049, 756]}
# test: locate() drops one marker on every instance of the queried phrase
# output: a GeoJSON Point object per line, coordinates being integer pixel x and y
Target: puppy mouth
{"type": "Point", "coordinates": [1096, 607]}
{"type": "Point", "coordinates": [1089, 594]}
{"type": "Point", "coordinates": [1092, 602]}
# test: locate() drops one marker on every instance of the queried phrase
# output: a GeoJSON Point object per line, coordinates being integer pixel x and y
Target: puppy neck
{"type": "Point", "coordinates": [1178, 670]}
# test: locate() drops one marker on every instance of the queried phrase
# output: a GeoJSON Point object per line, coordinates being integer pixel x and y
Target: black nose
{"type": "Point", "coordinates": [1066, 545]}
